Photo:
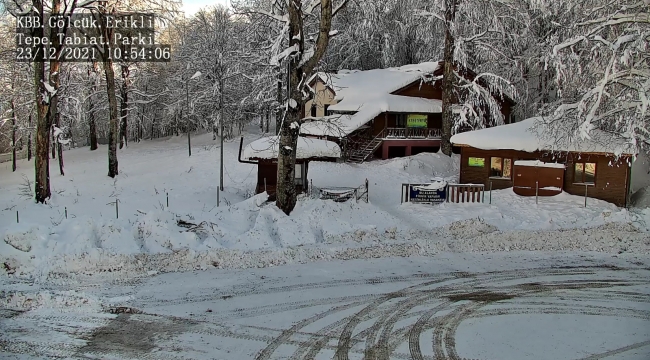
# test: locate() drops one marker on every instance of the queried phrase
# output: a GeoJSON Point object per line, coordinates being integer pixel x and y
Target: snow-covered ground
{"type": "Point", "coordinates": [384, 280]}
{"type": "Point", "coordinates": [245, 232]}
{"type": "Point", "coordinates": [508, 306]}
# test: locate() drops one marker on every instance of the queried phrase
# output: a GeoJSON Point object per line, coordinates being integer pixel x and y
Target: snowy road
{"type": "Point", "coordinates": [498, 306]}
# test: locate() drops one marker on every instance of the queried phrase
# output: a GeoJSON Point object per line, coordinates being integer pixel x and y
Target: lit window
{"type": "Point", "coordinates": [584, 173]}
{"type": "Point", "coordinates": [500, 167]}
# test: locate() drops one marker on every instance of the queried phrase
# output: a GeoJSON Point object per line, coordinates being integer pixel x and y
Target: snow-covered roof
{"type": "Point", "coordinates": [527, 135]}
{"type": "Point", "coordinates": [537, 163]}
{"type": "Point", "coordinates": [368, 94]}
{"type": "Point", "coordinates": [267, 148]}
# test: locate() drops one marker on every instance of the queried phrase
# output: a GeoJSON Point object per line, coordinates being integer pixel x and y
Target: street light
{"type": "Point", "coordinates": [187, 102]}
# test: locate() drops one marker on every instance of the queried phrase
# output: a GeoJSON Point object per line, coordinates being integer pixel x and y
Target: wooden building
{"type": "Point", "coordinates": [382, 112]}
{"type": "Point", "coordinates": [513, 156]}
{"type": "Point", "coordinates": [264, 153]}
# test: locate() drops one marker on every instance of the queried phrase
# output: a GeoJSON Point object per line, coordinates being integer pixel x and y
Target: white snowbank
{"type": "Point", "coordinates": [267, 148]}
{"type": "Point", "coordinates": [527, 135]}
{"type": "Point", "coordinates": [245, 231]}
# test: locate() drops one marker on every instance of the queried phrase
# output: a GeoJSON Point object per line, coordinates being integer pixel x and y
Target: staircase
{"type": "Point", "coordinates": [365, 149]}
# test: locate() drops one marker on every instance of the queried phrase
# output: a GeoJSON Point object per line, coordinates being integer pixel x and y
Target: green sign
{"type": "Point", "coordinates": [477, 162]}
{"type": "Point", "coordinates": [416, 121]}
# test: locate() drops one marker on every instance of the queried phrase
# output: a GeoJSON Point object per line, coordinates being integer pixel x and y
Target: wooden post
{"type": "Point", "coordinates": [536, 191]}
{"type": "Point", "coordinates": [66, 212]}
{"type": "Point", "coordinates": [490, 192]}
{"type": "Point", "coordinates": [167, 200]}
{"type": "Point", "coordinates": [17, 218]}
{"type": "Point", "coordinates": [117, 209]}
{"type": "Point", "coordinates": [367, 192]}
{"type": "Point", "coordinates": [585, 195]}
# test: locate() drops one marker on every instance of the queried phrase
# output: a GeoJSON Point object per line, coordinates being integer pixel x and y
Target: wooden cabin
{"type": "Point", "coordinates": [514, 156]}
{"type": "Point", "coordinates": [264, 153]}
{"type": "Point", "coordinates": [383, 113]}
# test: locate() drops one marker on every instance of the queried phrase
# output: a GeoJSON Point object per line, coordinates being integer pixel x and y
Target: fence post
{"type": "Point", "coordinates": [66, 212]}
{"type": "Point", "coordinates": [117, 209]}
{"type": "Point", "coordinates": [536, 191]}
{"type": "Point", "coordinates": [483, 195]}
{"type": "Point", "coordinates": [311, 187]}
{"type": "Point", "coordinates": [585, 195]}
{"type": "Point", "coordinates": [218, 195]}
{"type": "Point", "coordinates": [167, 200]}
{"type": "Point", "coordinates": [490, 192]}
{"type": "Point", "coordinates": [367, 192]}
{"type": "Point", "coordinates": [17, 218]}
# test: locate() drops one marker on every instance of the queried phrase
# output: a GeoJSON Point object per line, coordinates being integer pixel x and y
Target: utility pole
{"type": "Point", "coordinates": [187, 121]}
{"type": "Point", "coordinates": [221, 126]}
{"type": "Point", "coordinates": [187, 103]}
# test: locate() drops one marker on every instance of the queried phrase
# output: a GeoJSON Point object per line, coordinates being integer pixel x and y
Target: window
{"type": "Point", "coordinates": [584, 173]}
{"type": "Point", "coordinates": [500, 167]}
{"type": "Point", "coordinates": [313, 110]}
{"type": "Point", "coordinates": [400, 120]}
{"type": "Point", "coordinates": [476, 162]}
{"type": "Point", "coordinates": [325, 108]}
{"type": "Point", "coordinates": [298, 174]}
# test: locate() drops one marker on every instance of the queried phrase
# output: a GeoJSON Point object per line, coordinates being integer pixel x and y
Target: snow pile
{"type": "Point", "coordinates": [267, 148]}
{"type": "Point", "coordinates": [641, 198]}
{"type": "Point", "coordinates": [191, 232]}
{"type": "Point", "coordinates": [528, 135]}
{"type": "Point", "coordinates": [611, 238]}
{"type": "Point", "coordinates": [59, 300]}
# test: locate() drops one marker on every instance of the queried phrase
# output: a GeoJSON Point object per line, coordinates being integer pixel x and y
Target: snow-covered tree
{"type": "Point", "coordinates": [603, 71]}
{"type": "Point", "coordinates": [474, 32]}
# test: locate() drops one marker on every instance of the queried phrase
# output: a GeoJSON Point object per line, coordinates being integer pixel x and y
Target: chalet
{"type": "Point", "coordinates": [264, 153]}
{"type": "Point", "coordinates": [386, 112]}
{"type": "Point", "coordinates": [518, 155]}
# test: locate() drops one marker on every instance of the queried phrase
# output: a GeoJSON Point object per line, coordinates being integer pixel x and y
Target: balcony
{"type": "Point", "coordinates": [412, 133]}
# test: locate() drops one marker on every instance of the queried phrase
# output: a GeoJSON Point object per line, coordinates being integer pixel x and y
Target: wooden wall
{"type": "Point", "coordinates": [611, 182]}
{"type": "Point", "coordinates": [429, 91]}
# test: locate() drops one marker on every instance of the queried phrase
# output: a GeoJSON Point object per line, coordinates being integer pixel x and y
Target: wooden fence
{"type": "Point", "coordinates": [466, 193]}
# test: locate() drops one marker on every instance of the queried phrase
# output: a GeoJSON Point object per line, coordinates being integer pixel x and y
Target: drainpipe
{"type": "Point", "coordinates": [241, 143]}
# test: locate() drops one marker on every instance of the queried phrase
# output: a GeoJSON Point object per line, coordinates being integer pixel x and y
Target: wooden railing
{"type": "Point", "coordinates": [462, 193]}
{"type": "Point", "coordinates": [413, 133]}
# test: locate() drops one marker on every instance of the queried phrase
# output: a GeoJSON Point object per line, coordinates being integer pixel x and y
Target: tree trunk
{"type": "Point", "coordinates": [113, 127]}
{"type": "Point", "coordinates": [278, 111]}
{"type": "Point", "coordinates": [91, 110]}
{"type": "Point", "coordinates": [124, 105]}
{"type": "Point", "coordinates": [268, 116]}
{"type": "Point", "coordinates": [13, 136]}
{"type": "Point", "coordinates": [93, 129]}
{"type": "Point", "coordinates": [29, 138]}
{"type": "Point", "coordinates": [51, 121]}
{"type": "Point", "coordinates": [448, 79]}
{"type": "Point", "coordinates": [59, 146]}
{"type": "Point", "coordinates": [298, 71]}
{"type": "Point", "coordinates": [42, 163]}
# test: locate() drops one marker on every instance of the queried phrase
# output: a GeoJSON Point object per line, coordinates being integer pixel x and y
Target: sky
{"type": "Point", "coordinates": [192, 6]}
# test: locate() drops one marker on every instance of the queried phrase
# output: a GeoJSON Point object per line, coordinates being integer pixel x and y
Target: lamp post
{"type": "Point", "coordinates": [187, 103]}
